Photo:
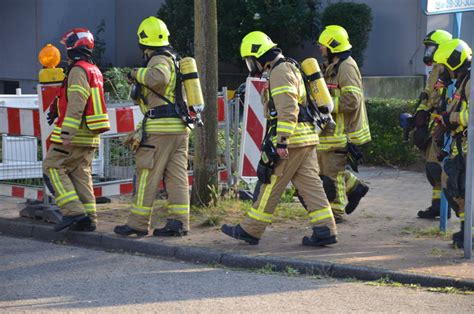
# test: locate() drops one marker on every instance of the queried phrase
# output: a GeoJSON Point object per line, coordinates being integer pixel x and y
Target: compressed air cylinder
{"type": "Point", "coordinates": [319, 89]}
{"type": "Point", "coordinates": [192, 85]}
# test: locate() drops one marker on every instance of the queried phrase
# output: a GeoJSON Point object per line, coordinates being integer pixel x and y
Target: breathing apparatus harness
{"type": "Point", "coordinates": [309, 113]}
{"type": "Point", "coordinates": [177, 109]}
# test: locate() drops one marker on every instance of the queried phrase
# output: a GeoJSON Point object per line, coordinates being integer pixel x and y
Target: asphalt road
{"type": "Point", "coordinates": [38, 276]}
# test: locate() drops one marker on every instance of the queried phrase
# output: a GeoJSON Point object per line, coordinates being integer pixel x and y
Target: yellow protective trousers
{"type": "Point", "coordinates": [67, 172]}
{"type": "Point", "coordinates": [301, 168]}
{"type": "Point", "coordinates": [333, 165]}
{"type": "Point", "coordinates": [161, 157]}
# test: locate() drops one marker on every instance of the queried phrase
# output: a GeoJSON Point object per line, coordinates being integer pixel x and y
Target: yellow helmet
{"type": "Point", "coordinates": [153, 32]}
{"type": "Point", "coordinates": [335, 38]}
{"type": "Point", "coordinates": [255, 44]}
{"type": "Point", "coordinates": [437, 37]}
{"type": "Point", "coordinates": [452, 53]}
{"type": "Point", "coordinates": [432, 41]}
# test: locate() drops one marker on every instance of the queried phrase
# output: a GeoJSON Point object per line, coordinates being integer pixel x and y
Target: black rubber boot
{"type": "Point", "coordinates": [355, 196]}
{"type": "Point", "coordinates": [69, 221]}
{"type": "Point", "coordinates": [433, 211]}
{"type": "Point", "coordinates": [125, 230]}
{"type": "Point", "coordinates": [86, 225]}
{"type": "Point", "coordinates": [173, 228]}
{"type": "Point", "coordinates": [430, 213]}
{"type": "Point", "coordinates": [321, 236]}
{"type": "Point", "coordinates": [458, 238]}
{"type": "Point", "coordinates": [238, 233]}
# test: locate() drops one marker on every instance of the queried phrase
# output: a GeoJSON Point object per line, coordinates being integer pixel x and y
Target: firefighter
{"type": "Point", "coordinates": [432, 100]}
{"type": "Point", "coordinates": [289, 147]}
{"type": "Point", "coordinates": [455, 55]}
{"type": "Point", "coordinates": [163, 152]}
{"type": "Point", "coordinates": [352, 126]}
{"type": "Point", "coordinates": [81, 115]}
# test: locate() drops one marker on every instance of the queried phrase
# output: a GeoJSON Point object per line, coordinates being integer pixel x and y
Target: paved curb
{"type": "Point", "coordinates": [210, 256]}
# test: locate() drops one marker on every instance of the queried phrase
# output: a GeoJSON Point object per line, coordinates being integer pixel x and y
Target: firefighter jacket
{"type": "Point", "coordinates": [82, 112]}
{"type": "Point", "coordinates": [159, 76]}
{"type": "Point", "coordinates": [434, 91]}
{"type": "Point", "coordinates": [350, 114]}
{"type": "Point", "coordinates": [287, 89]}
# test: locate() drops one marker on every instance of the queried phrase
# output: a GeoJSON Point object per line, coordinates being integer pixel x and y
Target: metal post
{"type": "Point", "coordinates": [457, 25]}
{"type": "Point", "coordinates": [227, 137]}
{"type": "Point", "coordinates": [444, 208]}
{"type": "Point", "coordinates": [236, 135]}
{"type": "Point", "coordinates": [443, 217]}
{"type": "Point", "coordinates": [469, 178]}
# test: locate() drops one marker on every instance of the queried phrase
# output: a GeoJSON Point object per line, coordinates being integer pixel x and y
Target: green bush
{"type": "Point", "coordinates": [387, 146]}
{"type": "Point", "coordinates": [287, 22]}
{"type": "Point", "coordinates": [356, 18]}
{"type": "Point", "coordinates": [117, 85]}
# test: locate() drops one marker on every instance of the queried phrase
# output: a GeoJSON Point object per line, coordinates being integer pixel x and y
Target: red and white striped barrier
{"type": "Point", "coordinates": [254, 129]}
{"type": "Point", "coordinates": [25, 115]}
{"type": "Point", "coordinates": [124, 119]}
{"type": "Point", "coordinates": [21, 191]}
{"type": "Point", "coordinates": [19, 115]}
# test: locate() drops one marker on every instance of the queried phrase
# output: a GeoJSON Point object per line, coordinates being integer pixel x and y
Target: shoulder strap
{"type": "Point", "coordinates": [463, 86]}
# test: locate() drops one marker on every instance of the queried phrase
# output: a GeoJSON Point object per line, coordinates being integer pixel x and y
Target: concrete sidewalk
{"type": "Point", "coordinates": [381, 238]}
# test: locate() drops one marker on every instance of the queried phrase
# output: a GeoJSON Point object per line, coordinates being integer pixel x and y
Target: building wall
{"type": "Point", "coordinates": [395, 44]}
{"type": "Point", "coordinates": [18, 25]}
{"type": "Point", "coordinates": [128, 15]}
{"type": "Point", "coordinates": [27, 25]}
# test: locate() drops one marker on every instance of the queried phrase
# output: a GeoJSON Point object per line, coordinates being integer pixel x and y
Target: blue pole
{"type": "Point", "coordinates": [457, 25]}
{"type": "Point", "coordinates": [443, 217]}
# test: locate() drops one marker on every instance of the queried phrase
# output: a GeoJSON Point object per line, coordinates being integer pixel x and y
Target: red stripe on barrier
{"type": "Point", "coordinates": [49, 93]}
{"type": "Point", "coordinates": [13, 121]}
{"type": "Point", "coordinates": [254, 128]}
{"type": "Point", "coordinates": [220, 109]}
{"type": "Point", "coordinates": [36, 123]}
{"type": "Point", "coordinates": [259, 85]}
{"type": "Point", "coordinates": [124, 120]}
{"type": "Point", "coordinates": [223, 176]}
{"type": "Point", "coordinates": [18, 192]}
{"type": "Point", "coordinates": [248, 170]}
{"type": "Point", "coordinates": [126, 188]}
{"type": "Point", "coordinates": [98, 191]}
{"type": "Point", "coordinates": [39, 195]}
{"type": "Point", "coordinates": [190, 180]}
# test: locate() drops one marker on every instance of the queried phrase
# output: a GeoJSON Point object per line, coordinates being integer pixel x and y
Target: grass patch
{"type": "Point", "coordinates": [232, 210]}
{"type": "Point", "coordinates": [288, 195]}
{"type": "Point", "coordinates": [451, 290]}
{"type": "Point", "coordinates": [432, 232]}
{"type": "Point", "coordinates": [290, 271]}
{"type": "Point", "coordinates": [229, 209]}
{"type": "Point", "coordinates": [285, 211]}
{"type": "Point", "coordinates": [386, 282]}
{"type": "Point", "coordinates": [268, 269]}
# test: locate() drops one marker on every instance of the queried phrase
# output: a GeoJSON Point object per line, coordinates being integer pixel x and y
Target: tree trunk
{"type": "Point", "coordinates": [205, 148]}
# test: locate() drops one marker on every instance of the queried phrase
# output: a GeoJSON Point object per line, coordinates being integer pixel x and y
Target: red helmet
{"type": "Point", "coordinates": [78, 38]}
